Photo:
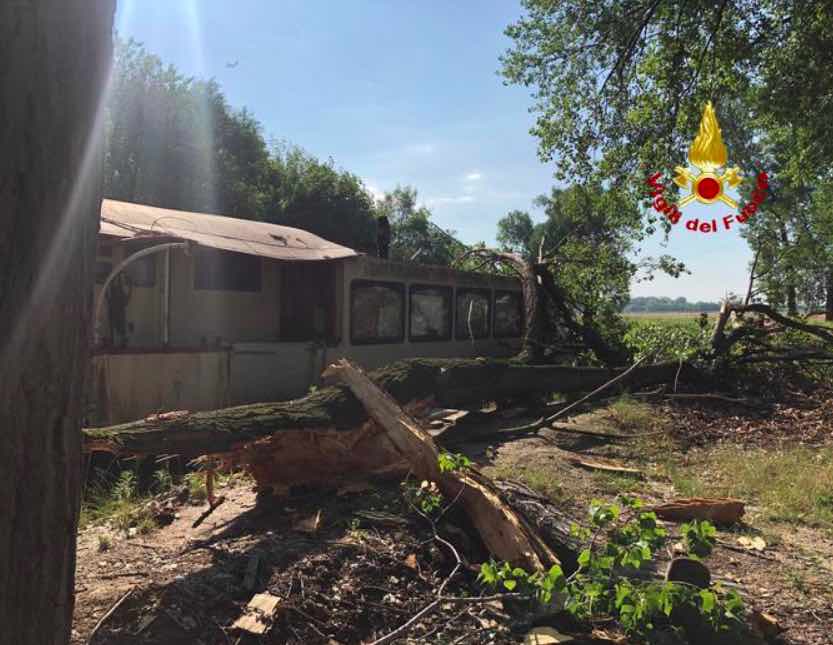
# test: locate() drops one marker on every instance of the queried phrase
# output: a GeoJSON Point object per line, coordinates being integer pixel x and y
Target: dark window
{"type": "Point", "coordinates": [473, 315]}
{"type": "Point", "coordinates": [142, 272]}
{"type": "Point", "coordinates": [102, 270]}
{"type": "Point", "coordinates": [308, 302]}
{"type": "Point", "coordinates": [509, 314]}
{"type": "Point", "coordinates": [226, 271]}
{"type": "Point", "coordinates": [430, 313]}
{"type": "Point", "coordinates": [377, 312]}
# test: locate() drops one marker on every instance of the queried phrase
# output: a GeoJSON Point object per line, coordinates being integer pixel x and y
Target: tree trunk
{"type": "Point", "coordinates": [448, 382]}
{"type": "Point", "coordinates": [54, 57]}
{"type": "Point", "coordinates": [828, 302]}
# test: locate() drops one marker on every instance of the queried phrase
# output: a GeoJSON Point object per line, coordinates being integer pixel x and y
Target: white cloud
{"type": "Point", "coordinates": [474, 176]}
{"type": "Point", "coordinates": [375, 192]}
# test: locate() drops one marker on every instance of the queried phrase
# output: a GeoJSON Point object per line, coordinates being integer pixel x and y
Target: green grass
{"type": "Point", "coordinates": [630, 415]}
{"type": "Point", "coordinates": [119, 504]}
{"type": "Point", "coordinates": [793, 485]}
{"type": "Point", "coordinates": [539, 480]}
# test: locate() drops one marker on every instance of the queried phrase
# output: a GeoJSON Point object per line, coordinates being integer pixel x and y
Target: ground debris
{"type": "Point", "coordinates": [718, 510]}
{"type": "Point", "coordinates": [259, 614]}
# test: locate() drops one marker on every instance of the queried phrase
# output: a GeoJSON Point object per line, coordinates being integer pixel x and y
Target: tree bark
{"type": "Point", "coordinates": [507, 535]}
{"type": "Point", "coordinates": [447, 382]}
{"type": "Point", "coordinates": [828, 301]}
{"type": "Point", "coordinates": [54, 57]}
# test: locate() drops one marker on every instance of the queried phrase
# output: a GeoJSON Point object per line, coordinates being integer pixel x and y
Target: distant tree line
{"type": "Point", "coordinates": [664, 303]}
{"type": "Point", "coordinates": [175, 142]}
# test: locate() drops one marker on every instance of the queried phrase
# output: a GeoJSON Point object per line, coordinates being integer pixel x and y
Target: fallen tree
{"type": "Point", "coordinates": [333, 412]}
{"type": "Point", "coordinates": [505, 533]}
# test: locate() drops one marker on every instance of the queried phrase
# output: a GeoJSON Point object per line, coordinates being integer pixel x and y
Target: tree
{"type": "Point", "coordinates": [515, 232]}
{"type": "Point", "coordinates": [55, 60]}
{"type": "Point", "coordinates": [638, 74]}
{"type": "Point", "coordinates": [175, 142]}
{"type": "Point", "coordinates": [414, 237]}
{"type": "Point", "coordinates": [303, 192]}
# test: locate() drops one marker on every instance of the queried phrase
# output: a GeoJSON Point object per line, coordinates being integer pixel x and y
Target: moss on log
{"type": "Point", "coordinates": [449, 382]}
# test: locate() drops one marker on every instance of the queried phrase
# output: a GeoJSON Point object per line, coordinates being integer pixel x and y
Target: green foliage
{"type": "Point", "coordinates": [604, 584]}
{"type": "Point", "coordinates": [163, 481]}
{"type": "Point", "coordinates": [119, 503]}
{"type": "Point", "coordinates": [426, 497]}
{"type": "Point", "coordinates": [449, 462]}
{"type": "Point", "coordinates": [124, 489]}
{"type": "Point", "coordinates": [174, 141]}
{"type": "Point", "coordinates": [196, 487]}
{"type": "Point", "coordinates": [699, 536]}
{"type": "Point", "coordinates": [414, 237]}
{"type": "Point", "coordinates": [681, 340]}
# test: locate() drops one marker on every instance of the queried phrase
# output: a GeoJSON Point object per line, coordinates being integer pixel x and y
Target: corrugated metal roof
{"type": "Point", "coordinates": [128, 220]}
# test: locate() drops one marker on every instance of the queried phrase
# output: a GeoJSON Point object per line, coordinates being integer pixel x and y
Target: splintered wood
{"type": "Point", "coordinates": [506, 534]}
{"type": "Point", "coordinates": [259, 614]}
{"type": "Point", "coordinates": [720, 510]}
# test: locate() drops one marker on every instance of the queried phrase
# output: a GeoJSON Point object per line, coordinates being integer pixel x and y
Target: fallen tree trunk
{"type": "Point", "coordinates": [333, 410]}
{"type": "Point", "coordinates": [506, 535]}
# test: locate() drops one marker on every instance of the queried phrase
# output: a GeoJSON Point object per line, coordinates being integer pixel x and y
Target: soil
{"type": "Point", "coordinates": [373, 563]}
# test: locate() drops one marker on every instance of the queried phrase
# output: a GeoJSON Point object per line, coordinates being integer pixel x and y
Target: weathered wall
{"type": "Point", "coordinates": [130, 386]}
{"type": "Point", "coordinates": [233, 316]}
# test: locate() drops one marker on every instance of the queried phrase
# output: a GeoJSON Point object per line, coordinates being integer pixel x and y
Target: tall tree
{"type": "Point", "coordinates": [414, 237]}
{"type": "Point", "coordinates": [54, 56]}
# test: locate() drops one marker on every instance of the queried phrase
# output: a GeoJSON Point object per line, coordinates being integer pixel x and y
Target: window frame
{"type": "Point", "coordinates": [489, 313]}
{"type": "Point", "coordinates": [396, 286]}
{"type": "Point", "coordinates": [204, 251]}
{"type": "Point", "coordinates": [520, 296]}
{"type": "Point", "coordinates": [449, 293]}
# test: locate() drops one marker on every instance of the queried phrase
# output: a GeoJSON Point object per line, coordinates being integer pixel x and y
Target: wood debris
{"type": "Point", "coordinates": [506, 534]}
{"type": "Point", "coordinates": [605, 467]}
{"type": "Point", "coordinates": [718, 510]}
{"type": "Point", "coordinates": [259, 614]}
{"type": "Point", "coordinates": [309, 524]}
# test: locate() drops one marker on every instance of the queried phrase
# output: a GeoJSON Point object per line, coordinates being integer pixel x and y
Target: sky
{"type": "Point", "coordinates": [402, 92]}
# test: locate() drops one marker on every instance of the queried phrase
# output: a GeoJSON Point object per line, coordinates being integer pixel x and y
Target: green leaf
{"type": "Point", "coordinates": [708, 599]}
{"type": "Point", "coordinates": [510, 584]}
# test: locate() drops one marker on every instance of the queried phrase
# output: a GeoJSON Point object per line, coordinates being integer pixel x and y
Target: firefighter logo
{"type": "Point", "coordinates": [708, 154]}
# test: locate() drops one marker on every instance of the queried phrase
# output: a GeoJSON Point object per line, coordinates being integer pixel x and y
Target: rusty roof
{"type": "Point", "coordinates": [137, 221]}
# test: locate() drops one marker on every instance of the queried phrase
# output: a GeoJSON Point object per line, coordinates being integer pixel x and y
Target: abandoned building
{"type": "Point", "coordinates": [197, 311]}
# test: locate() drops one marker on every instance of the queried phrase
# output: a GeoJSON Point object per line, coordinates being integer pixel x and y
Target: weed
{"type": "Point", "coordinates": [196, 487]}
{"type": "Point", "coordinates": [104, 542]}
{"type": "Point", "coordinates": [631, 415]}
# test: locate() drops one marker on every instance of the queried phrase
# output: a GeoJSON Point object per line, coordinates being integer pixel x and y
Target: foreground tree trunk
{"type": "Point", "coordinates": [54, 56]}
{"type": "Point", "coordinates": [828, 303]}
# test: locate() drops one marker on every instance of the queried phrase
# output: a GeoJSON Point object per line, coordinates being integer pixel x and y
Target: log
{"type": "Point", "coordinates": [505, 533]}
{"type": "Point", "coordinates": [332, 410]}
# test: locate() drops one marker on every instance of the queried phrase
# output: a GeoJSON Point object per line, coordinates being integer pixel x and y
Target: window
{"type": "Point", "coordinates": [430, 313]}
{"type": "Point", "coordinates": [377, 312]}
{"type": "Point", "coordinates": [226, 271]}
{"type": "Point", "coordinates": [473, 315]}
{"type": "Point", "coordinates": [308, 301]}
{"type": "Point", "coordinates": [142, 272]}
{"type": "Point", "coordinates": [509, 314]}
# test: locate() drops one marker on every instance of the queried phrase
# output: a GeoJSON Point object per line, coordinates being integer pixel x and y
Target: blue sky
{"type": "Point", "coordinates": [399, 92]}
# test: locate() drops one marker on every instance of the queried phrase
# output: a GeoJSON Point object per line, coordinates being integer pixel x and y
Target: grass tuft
{"type": "Point", "coordinates": [790, 484]}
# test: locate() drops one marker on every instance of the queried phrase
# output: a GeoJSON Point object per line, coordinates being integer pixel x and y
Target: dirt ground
{"type": "Point", "coordinates": [372, 563]}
